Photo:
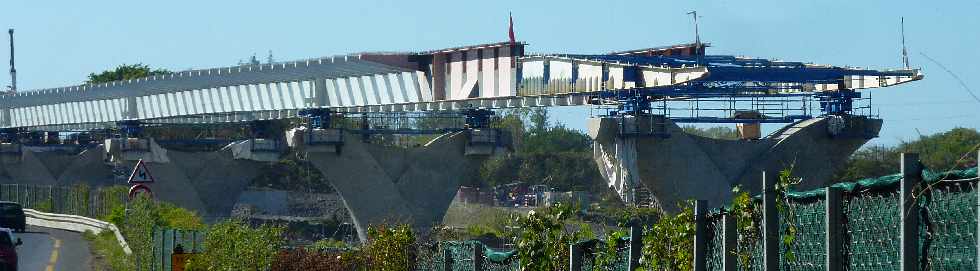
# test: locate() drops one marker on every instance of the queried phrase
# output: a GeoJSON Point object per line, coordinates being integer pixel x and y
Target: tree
{"type": "Point", "coordinates": [716, 132]}
{"type": "Point", "coordinates": [545, 153]}
{"type": "Point", "coordinates": [124, 72]}
{"type": "Point", "coordinates": [952, 149]}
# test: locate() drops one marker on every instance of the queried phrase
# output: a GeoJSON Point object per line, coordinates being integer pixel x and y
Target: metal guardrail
{"type": "Point", "coordinates": [74, 223]}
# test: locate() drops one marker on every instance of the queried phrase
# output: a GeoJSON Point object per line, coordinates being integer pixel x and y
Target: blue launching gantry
{"type": "Point", "coordinates": [719, 85]}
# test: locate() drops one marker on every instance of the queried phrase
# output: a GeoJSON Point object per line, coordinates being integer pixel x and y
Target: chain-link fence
{"type": "Point", "coordinates": [461, 256]}
{"type": "Point", "coordinates": [869, 226]}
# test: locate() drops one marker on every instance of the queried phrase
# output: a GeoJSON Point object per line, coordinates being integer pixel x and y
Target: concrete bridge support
{"type": "Point", "coordinates": [386, 184]}
{"type": "Point", "coordinates": [206, 182]}
{"type": "Point", "coordinates": [53, 165]}
{"type": "Point", "coordinates": [655, 154]}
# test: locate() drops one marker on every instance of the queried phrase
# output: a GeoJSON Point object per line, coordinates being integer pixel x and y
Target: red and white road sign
{"type": "Point", "coordinates": [139, 188]}
{"type": "Point", "coordinates": [141, 174]}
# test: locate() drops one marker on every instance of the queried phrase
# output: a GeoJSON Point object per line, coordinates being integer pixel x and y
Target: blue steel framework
{"type": "Point", "coordinates": [738, 79]}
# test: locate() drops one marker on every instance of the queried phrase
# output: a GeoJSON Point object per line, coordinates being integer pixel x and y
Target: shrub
{"type": "Point", "coordinates": [391, 247]}
{"type": "Point", "coordinates": [234, 245]}
{"type": "Point", "coordinates": [669, 243]}
{"type": "Point", "coordinates": [312, 260]}
{"type": "Point", "coordinates": [543, 242]}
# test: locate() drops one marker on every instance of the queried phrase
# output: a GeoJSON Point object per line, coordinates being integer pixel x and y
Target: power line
{"type": "Point", "coordinates": [968, 90]}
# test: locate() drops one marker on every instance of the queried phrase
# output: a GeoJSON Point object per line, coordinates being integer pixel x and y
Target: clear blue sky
{"type": "Point", "coordinates": [60, 42]}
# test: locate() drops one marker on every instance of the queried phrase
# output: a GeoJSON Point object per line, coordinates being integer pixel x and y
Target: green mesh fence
{"type": "Point", "coordinates": [872, 227]}
{"type": "Point", "coordinates": [808, 248]}
{"type": "Point", "coordinates": [950, 226]}
{"type": "Point", "coordinates": [621, 262]}
{"type": "Point", "coordinates": [870, 224]}
{"type": "Point", "coordinates": [429, 257]}
{"type": "Point", "coordinates": [461, 253]}
{"type": "Point", "coordinates": [715, 245]}
{"type": "Point", "coordinates": [749, 248]}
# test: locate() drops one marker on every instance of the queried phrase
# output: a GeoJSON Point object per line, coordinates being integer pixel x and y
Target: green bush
{"type": "Point", "coordinates": [313, 260]}
{"type": "Point", "coordinates": [669, 243]}
{"type": "Point", "coordinates": [391, 248]}
{"type": "Point", "coordinates": [143, 217]}
{"type": "Point", "coordinates": [234, 245]}
{"type": "Point", "coordinates": [544, 240]}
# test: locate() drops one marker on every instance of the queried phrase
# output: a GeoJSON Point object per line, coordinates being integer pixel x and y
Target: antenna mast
{"type": "Point", "coordinates": [905, 52]}
{"type": "Point", "coordinates": [697, 36]}
{"type": "Point", "coordinates": [13, 72]}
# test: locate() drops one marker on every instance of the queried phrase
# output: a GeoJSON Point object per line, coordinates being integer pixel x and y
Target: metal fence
{"type": "Point", "coordinates": [915, 220]}
{"type": "Point", "coordinates": [73, 200]}
{"type": "Point", "coordinates": [165, 241]}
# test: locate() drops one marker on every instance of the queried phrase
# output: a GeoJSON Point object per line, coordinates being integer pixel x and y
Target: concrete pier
{"type": "Point", "coordinates": [385, 184]}
{"type": "Point", "coordinates": [53, 165]}
{"type": "Point", "coordinates": [673, 166]}
{"type": "Point", "coordinates": [206, 182]}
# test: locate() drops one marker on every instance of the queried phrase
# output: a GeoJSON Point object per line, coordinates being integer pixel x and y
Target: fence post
{"type": "Point", "coordinates": [978, 209]}
{"type": "Point", "coordinates": [911, 176]}
{"type": "Point", "coordinates": [833, 230]}
{"type": "Point", "coordinates": [729, 260]}
{"type": "Point", "coordinates": [770, 224]}
{"type": "Point", "coordinates": [575, 257]}
{"type": "Point", "coordinates": [700, 232]}
{"type": "Point", "coordinates": [636, 246]}
{"type": "Point", "coordinates": [478, 257]}
{"type": "Point", "coordinates": [447, 263]}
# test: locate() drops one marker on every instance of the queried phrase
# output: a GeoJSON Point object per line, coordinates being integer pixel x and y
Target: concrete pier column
{"type": "Point", "coordinates": [387, 185]}
{"type": "Point", "coordinates": [674, 166]}
{"type": "Point", "coordinates": [206, 182]}
{"type": "Point", "coordinates": [20, 164]}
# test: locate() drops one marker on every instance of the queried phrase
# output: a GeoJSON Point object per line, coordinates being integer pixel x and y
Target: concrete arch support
{"type": "Point", "coordinates": [206, 182]}
{"type": "Point", "coordinates": [383, 184]}
{"type": "Point", "coordinates": [676, 166]}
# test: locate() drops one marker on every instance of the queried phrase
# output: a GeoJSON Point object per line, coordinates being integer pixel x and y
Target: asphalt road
{"type": "Point", "coordinates": [47, 249]}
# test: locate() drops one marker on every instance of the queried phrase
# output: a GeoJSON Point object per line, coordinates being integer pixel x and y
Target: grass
{"type": "Point", "coordinates": [106, 252]}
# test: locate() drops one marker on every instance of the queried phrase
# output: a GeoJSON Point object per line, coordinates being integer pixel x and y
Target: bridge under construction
{"type": "Point", "coordinates": [80, 133]}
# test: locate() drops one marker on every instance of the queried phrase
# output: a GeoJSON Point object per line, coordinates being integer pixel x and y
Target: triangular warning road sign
{"type": "Point", "coordinates": [141, 174]}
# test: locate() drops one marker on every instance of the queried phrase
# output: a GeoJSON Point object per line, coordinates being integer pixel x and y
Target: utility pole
{"type": "Point", "coordinates": [13, 72]}
{"type": "Point", "coordinates": [905, 52]}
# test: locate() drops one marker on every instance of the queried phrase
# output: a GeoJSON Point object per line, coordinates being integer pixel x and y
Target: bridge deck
{"type": "Point", "coordinates": [441, 80]}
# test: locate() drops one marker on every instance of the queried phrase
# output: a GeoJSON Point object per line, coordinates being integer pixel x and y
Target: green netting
{"type": "Point", "coordinates": [951, 226]}
{"type": "Point", "coordinates": [715, 243]}
{"type": "Point", "coordinates": [460, 255]}
{"type": "Point", "coordinates": [809, 245]}
{"type": "Point", "coordinates": [622, 256]}
{"type": "Point", "coordinates": [752, 250]}
{"type": "Point", "coordinates": [870, 225]}
{"type": "Point", "coordinates": [888, 181]}
{"type": "Point", "coordinates": [872, 222]}
{"type": "Point", "coordinates": [429, 257]}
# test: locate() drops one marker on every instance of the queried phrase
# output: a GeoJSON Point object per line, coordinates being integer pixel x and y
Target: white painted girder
{"type": "Point", "coordinates": [278, 91]}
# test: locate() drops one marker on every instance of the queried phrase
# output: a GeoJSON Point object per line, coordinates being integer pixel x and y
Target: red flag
{"type": "Point", "coordinates": [510, 31]}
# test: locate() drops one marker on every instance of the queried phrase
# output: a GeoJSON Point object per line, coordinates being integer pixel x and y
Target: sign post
{"type": "Point", "coordinates": [139, 179]}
